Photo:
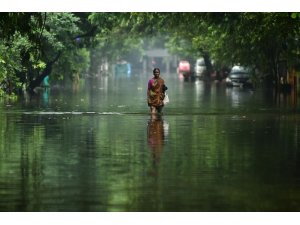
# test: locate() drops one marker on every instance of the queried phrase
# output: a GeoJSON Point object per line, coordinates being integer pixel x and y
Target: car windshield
{"type": "Point", "coordinates": [201, 63]}
{"type": "Point", "coordinates": [240, 70]}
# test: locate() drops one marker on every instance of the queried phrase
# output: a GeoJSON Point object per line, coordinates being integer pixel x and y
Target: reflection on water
{"type": "Point", "coordinates": [157, 132]}
{"type": "Point", "coordinates": [156, 136]}
{"type": "Point", "coordinates": [46, 97]}
{"type": "Point", "coordinates": [214, 149]}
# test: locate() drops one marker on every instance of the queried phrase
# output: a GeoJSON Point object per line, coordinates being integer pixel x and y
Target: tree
{"type": "Point", "coordinates": [19, 46]}
{"type": "Point", "coordinates": [36, 42]}
{"type": "Point", "coordinates": [259, 40]}
{"type": "Point", "coordinates": [39, 44]}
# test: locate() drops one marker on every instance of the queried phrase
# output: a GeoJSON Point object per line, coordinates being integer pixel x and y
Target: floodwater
{"type": "Point", "coordinates": [96, 148]}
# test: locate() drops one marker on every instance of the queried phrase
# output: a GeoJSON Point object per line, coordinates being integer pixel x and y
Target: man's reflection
{"type": "Point", "coordinates": [156, 136]}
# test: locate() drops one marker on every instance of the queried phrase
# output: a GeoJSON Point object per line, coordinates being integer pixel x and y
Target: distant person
{"type": "Point", "coordinates": [45, 82]}
{"type": "Point", "coordinates": [156, 92]}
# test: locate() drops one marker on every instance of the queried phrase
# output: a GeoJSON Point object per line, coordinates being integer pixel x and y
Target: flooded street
{"type": "Point", "coordinates": [97, 148]}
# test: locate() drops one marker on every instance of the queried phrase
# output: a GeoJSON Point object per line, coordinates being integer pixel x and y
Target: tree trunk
{"type": "Point", "coordinates": [47, 71]}
{"type": "Point", "coordinates": [209, 68]}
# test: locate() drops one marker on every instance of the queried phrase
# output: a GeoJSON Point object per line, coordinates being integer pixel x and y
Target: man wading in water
{"type": "Point", "coordinates": [156, 92]}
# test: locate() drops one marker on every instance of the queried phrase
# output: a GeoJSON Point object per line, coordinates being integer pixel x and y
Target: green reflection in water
{"type": "Point", "coordinates": [222, 154]}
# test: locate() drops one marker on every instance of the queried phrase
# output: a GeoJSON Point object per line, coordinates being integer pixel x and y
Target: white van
{"type": "Point", "coordinates": [200, 68]}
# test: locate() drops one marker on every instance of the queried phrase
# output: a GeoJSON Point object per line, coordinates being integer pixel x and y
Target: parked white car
{"type": "Point", "coordinates": [200, 68]}
{"type": "Point", "coordinates": [239, 76]}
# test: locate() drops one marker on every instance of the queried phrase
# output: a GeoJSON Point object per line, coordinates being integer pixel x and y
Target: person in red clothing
{"type": "Point", "coordinates": [156, 92]}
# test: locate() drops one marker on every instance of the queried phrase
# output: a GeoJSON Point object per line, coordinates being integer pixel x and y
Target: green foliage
{"type": "Point", "coordinates": [11, 62]}
{"type": "Point", "coordinates": [260, 40]}
{"type": "Point", "coordinates": [37, 43]}
{"type": "Point", "coordinates": [77, 62]}
{"type": "Point", "coordinates": [33, 42]}
{"type": "Point", "coordinates": [59, 33]}
{"type": "Point", "coordinates": [112, 37]}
